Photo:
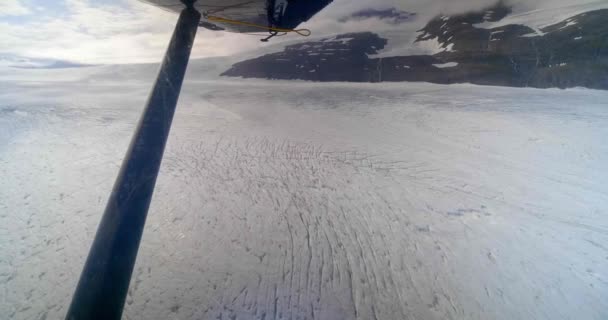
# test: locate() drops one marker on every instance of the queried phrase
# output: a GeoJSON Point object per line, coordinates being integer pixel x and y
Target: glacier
{"type": "Point", "coordinates": [303, 200]}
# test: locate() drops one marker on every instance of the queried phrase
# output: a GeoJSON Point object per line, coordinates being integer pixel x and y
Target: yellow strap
{"type": "Point", "coordinates": [302, 32]}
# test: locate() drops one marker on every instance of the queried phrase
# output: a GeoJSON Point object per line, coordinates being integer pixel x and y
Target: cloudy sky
{"type": "Point", "coordinates": [129, 31]}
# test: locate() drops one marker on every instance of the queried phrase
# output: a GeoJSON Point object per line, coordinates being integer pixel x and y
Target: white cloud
{"type": "Point", "coordinates": [136, 32]}
{"type": "Point", "coordinates": [12, 8]}
{"type": "Point", "coordinates": [108, 34]}
{"type": "Point", "coordinates": [132, 31]}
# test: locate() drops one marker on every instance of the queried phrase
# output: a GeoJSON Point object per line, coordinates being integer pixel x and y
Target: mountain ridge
{"type": "Point", "coordinates": [570, 53]}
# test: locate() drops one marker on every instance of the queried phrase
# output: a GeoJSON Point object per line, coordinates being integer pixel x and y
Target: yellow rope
{"type": "Point", "coordinates": [302, 32]}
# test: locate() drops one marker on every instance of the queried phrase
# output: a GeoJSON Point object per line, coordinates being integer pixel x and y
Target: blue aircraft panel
{"type": "Point", "coordinates": [276, 13]}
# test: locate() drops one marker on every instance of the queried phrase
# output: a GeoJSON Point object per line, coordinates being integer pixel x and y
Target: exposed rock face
{"type": "Point", "coordinates": [571, 53]}
{"type": "Point", "coordinates": [343, 58]}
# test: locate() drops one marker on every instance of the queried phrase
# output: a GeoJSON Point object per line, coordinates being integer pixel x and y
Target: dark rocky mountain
{"type": "Point", "coordinates": [341, 58]}
{"type": "Point", "coordinates": [571, 53]}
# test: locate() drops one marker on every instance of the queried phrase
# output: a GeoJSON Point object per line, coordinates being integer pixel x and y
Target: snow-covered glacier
{"type": "Point", "coordinates": [299, 200]}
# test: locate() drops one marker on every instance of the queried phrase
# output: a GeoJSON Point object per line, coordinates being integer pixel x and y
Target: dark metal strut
{"type": "Point", "coordinates": [104, 281]}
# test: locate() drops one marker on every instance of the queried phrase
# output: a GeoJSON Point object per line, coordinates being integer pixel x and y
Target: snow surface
{"type": "Point", "coordinates": [446, 65]}
{"type": "Point", "coordinates": [534, 14]}
{"type": "Point", "coordinates": [403, 43]}
{"type": "Point", "coordinates": [300, 200]}
{"type": "Point", "coordinates": [546, 13]}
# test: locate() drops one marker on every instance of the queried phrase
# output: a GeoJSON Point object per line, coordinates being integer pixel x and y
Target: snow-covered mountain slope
{"type": "Point", "coordinates": [480, 47]}
{"type": "Point", "coordinates": [313, 201]}
{"type": "Point", "coordinates": [545, 13]}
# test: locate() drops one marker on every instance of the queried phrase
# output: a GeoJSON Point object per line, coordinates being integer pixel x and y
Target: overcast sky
{"type": "Point", "coordinates": [128, 31]}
